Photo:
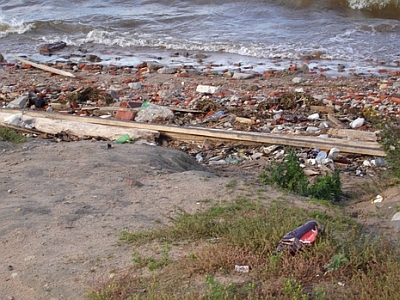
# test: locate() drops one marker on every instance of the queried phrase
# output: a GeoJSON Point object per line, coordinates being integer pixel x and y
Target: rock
{"type": "Point", "coordinates": [48, 49]}
{"type": "Point", "coordinates": [396, 221]}
{"type": "Point", "coordinates": [154, 112]}
{"type": "Point", "coordinates": [1, 58]}
{"type": "Point", "coordinates": [297, 80]}
{"type": "Point", "coordinates": [167, 70]}
{"type": "Point", "coordinates": [309, 172]}
{"type": "Point", "coordinates": [304, 68]}
{"type": "Point", "coordinates": [256, 155]}
{"type": "Point", "coordinates": [333, 153]}
{"type": "Point", "coordinates": [20, 102]}
{"type": "Point", "coordinates": [312, 129]}
{"type": "Point", "coordinates": [93, 58]}
{"type": "Point", "coordinates": [135, 85]}
{"type": "Point", "coordinates": [357, 123]}
{"type": "Point", "coordinates": [313, 117]}
{"type": "Point", "coordinates": [208, 89]}
{"type": "Point", "coordinates": [396, 217]}
{"type": "Point", "coordinates": [396, 85]}
{"type": "Point", "coordinates": [153, 66]}
{"type": "Point", "coordinates": [238, 75]}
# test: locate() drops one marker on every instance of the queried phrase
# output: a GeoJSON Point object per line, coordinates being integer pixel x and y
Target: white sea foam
{"type": "Point", "coordinates": [368, 4]}
{"type": "Point", "coordinates": [14, 26]}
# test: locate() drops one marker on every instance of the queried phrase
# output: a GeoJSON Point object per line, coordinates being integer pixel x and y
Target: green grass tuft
{"type": "Point", "coordinates": [11, 135]}
{"type": "Point", "coordinates": [290, 176]}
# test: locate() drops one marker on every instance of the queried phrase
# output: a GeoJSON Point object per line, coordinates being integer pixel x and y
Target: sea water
{"type": "Point", "coordinates": [358, 33]}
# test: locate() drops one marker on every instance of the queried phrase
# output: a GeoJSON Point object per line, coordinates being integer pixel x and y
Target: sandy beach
{"type": "Point", "coordinates": [63, 204]}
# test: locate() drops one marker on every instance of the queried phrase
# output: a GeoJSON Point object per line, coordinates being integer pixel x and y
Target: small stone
{"type": "Point", "coordinates": [312, 129]}
{"type": "Point", "coordinates": [238, 75]}
{"type": "Point", "coordinates": [396, 217]}
{"type": "Point", "coordinates": [297, 80]}
{"type": "Point", "coordinates": [135, 85]}
{"type": "Point", "coordinates": [20, 102]}
{"type": "Point", "coordinates": [313, 117]}
{"type": "Point", "coordinates": [357, 123]}
{"type": "Point", "coordinates": [93, 58]}
{"type": "Point", "coordinates": [167, 70]}
{"type": "Point", "coordinates": [207, 89]}
{"type": "Point", "coordinates": [14, 275]}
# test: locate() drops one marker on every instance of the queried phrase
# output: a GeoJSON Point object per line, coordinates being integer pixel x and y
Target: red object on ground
{"type": "Point", "coordinates": [125, 115]}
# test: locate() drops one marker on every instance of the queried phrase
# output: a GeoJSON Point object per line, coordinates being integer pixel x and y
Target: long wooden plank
{"type": "Point", "coordinates": [351, 134]}
{"type": "Point", "coordinates": [45, 68]}
{"type": "Point", "coordinates": [78, 128]}
{"type": "Point", "coordinates": [347, 146]}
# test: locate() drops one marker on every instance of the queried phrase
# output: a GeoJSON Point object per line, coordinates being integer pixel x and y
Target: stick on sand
{"type": "Point", "coordinates": [46, 68]}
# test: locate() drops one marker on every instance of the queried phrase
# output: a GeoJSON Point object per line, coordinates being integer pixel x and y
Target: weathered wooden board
{"type": "Point", "coordinates": [242, 137]}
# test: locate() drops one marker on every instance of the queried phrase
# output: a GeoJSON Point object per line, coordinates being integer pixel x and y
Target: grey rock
{"type": "Point", "coordinates": [396, 85]}
{"type": "Point", "coordinates": [19, 102]}
{"type": "Point", "coordinates": [167, 70]}
{"type": "Point", "coordinates": [154, 112]}
{"type": "Point", "coordinates": [153, 66]}
{"type": "Point", "coordinates": [93, 58]}
{"type": "Point", "coordinates": [135, 85]}
{"type": "Point", "coordinates": [238, 75]}
{"type": "Point", "coordinates": [297, 80]}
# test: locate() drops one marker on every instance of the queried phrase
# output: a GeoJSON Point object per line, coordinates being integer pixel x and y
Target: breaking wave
{"type": "Point", "coordinates": [385, 9]}
{"type": "Point", "coordinates": [14, 27]}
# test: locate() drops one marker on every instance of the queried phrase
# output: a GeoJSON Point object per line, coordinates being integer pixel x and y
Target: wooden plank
{"type": "Point", "coordinates": [351, 134]}
{"type": "Point", "coordinates": [325, 109]}
{"type": "Point", "coordinates": [335, 121]}
{"type": "Point", "coordinates": [45, 68]}
{"type": "Point", "coordinates": [79, 128]}
{"type": "Point", "coordinates": [347, 146]}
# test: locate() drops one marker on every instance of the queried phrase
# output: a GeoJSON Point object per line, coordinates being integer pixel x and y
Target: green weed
{"type": "Point", "coordinates": [246, 232]}
{"type": "Point", "coordinates": [11, 135]}
{"type": "Point", "coordinates": [290, 176]}
{"type": "Point", "coordinates": [389, 138]}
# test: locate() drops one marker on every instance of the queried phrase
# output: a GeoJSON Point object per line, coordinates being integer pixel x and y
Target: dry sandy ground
{"type": "Point", "coordinates": [62, 206]}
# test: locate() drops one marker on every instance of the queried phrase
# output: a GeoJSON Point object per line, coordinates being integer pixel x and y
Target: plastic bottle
{"type": "Point", "coordinates": [145, 104]}
{"type": "Point", "coordinates": [123, 139]}
{"type": "Point", "coordinates": [320, 157]}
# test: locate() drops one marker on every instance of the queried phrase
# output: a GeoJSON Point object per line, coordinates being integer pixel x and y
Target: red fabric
{"type": "Point", "coordinates": [309, 237]}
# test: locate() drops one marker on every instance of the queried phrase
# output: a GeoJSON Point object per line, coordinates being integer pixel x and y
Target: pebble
{"type": "Point", "coordinates": [135, 85]}
{"type": "Point", "coordinates": [297, 80]}
{"type": "Point", "coordinates": [239, 76]}
{"type": "Point", "coordinates": [357, 123]}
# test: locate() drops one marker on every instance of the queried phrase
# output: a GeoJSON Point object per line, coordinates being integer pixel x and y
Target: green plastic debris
{"type": "Point", "coordinates": [123, 139]}
{"type": "Point", "coordinates": [145, 104]}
